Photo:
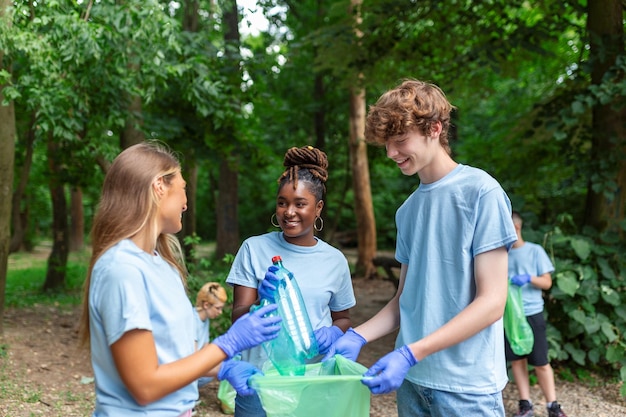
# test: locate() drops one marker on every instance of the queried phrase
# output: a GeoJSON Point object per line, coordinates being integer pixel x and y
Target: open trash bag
{"type": "Point", "coordinates": [327, 389]}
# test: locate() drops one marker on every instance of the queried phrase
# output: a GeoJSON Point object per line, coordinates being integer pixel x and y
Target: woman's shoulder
{"type": "Point", "coordinates": [329, 249]}
{"type": "Point", "coordinates": [263, 239]}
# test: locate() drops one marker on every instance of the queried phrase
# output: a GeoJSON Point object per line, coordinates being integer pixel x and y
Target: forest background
{"type": "Point", "coordinates": [538, 85]}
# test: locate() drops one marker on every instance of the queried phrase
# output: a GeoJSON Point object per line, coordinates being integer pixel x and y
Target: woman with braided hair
{"type": "Point", "coordinates": [321, 270]}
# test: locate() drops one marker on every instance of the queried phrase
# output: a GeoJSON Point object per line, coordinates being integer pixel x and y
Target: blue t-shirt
{"type": "Point", "coordinates": [442, 226]}
{"type": "Point", "coordinates": [129, 290]}
{"type": "Point", "coordinates": [321, 271]}
{"type": "Point", "coordinates": [532, 259]}
{"type": "Point", "coordinates": [202, 329]}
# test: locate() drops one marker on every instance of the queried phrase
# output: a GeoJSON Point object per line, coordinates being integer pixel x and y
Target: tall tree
{"type": "Point", "coordinates": [228, 189]}
{"type": "Point", "coordinates": [19, 210]}
{"type": "Point", "coordinates": [606, 205]}
{"type": "Point", "coordinates": [191, 17]}
{"type": "Point", "coordinates": [363, 206]}
{"type": "Point", "coordinates": [57, 260]}
{"type": "Point", "coordinates": [7, 151]}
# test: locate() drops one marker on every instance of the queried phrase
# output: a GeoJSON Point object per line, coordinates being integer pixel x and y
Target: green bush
{"type": "Point", "coordinates": [586, 304]}
{"type": "Point", "coordinates": [207, 269]}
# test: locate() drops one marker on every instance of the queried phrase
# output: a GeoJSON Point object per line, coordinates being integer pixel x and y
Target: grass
{"type": "Point", "coordinates": [27, 273]}
{"type": "Point", "coordinates": [26, 276]}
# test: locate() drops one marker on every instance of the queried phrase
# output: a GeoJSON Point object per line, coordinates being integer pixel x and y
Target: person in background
{"type": "Point", "coordinates": [453, 234]}
{"type": "Point", "coordinates": [137, 318]}
{"type": "Point", "coordinates": [531, 269]}
{"type": "Point", "coordinates": [210, 302]}
{"type": "Point", "coordinates": [321, 271]}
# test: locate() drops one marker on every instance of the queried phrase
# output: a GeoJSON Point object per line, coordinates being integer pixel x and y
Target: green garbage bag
{"type": "Point", "coordinates": [327, 389]}
{"type": "Point", "coordinates": [226, 394]}
{"type": "Point", "coordinates": [516, 328]}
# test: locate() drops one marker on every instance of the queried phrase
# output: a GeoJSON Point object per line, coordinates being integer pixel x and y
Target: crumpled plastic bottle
{"type": "Point", "coordinates": [296, 342]}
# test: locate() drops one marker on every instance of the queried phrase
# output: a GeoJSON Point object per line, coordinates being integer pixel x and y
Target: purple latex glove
{"type": "Point", "coordinates": [349, 345]}
{"type": "Point", "coordinates": [267, 288]}
{"type": "Point", "coordinates": [238, 373]}
{"type": "Point", "coordinates": [250, 330]}
{"type": "Point", "coordinates": [520, 280]}
{"type": "Point", "coordinates": [326, 336]}
{"type": "Point", "coordinates": [388, 372]}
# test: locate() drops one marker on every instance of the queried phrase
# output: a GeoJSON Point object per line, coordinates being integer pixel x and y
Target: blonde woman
{"type": "Point", "coordinates": [137, 318]}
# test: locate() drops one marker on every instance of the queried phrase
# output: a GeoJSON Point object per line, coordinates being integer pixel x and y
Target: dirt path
{"type": "Point", "coordinates": [42, 373]}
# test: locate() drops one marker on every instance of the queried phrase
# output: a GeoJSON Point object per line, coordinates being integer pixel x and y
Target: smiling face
{"type": "Point", "coordinates": [296, 210]}
{"type": "Point", "coordinates": [173, 203]}
{"type": "Point", "coordinates": [411, 152]}
{"type": "Point", "coordinates": [416, 153]}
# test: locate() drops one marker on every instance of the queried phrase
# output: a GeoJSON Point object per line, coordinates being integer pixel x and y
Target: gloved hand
{"type": "Point", "coordinates": [250, 330]}
{"type": "Point", "coordinates": [238, 373]}
{"type": "Point", "coordinates": [520, 280]}
{"type": "Point", "coordinates": [326, 336]}
{"type": "Point", "coordinates": [268, 285]}
{"type": "Point", "coordinates": [349, 345]}
{"type": "Point", "coordinates": [388, 372]}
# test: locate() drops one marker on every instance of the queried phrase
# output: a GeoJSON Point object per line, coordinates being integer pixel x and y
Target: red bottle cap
{"type": "Point", "coordinates": [276, 259]}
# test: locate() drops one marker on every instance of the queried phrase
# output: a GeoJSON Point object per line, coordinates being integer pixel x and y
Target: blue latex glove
{"type": "Point", "coordinates": [349, 345]}
{"type": "Point", "coordinates": [387, 374]}
{"type": "Point", "coordinates": [267, 289]}
{"type": "Point", "coordinates": [250, 330]}
{"type": "Point", "coordinates": [238, 373]}
{"type": "Point", "coordinates": [326, 336]}
{"type": "Point", "coordinates": [520, 280]}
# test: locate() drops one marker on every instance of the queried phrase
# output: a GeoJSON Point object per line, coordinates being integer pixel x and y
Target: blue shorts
{"type": "Point", "coordinates": [539, 355]}
{"type": "Point", "coordinates": [248, 406]}
{"type": "Point", "coordinates": [417, 401]}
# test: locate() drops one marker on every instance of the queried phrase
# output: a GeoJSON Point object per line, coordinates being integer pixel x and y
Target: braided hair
{"type": "Point", "coordinates": [307, 164]}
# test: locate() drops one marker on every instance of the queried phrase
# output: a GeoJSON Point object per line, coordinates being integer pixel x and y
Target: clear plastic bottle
{"type": "Point", "coordinates": [296, 342]}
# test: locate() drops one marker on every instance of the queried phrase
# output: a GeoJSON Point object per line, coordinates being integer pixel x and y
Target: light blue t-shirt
{"type": "Point", "coordinates": [129, 290]}
{"type": "Point", "coordinates": [202, 329]}
{"type": "Point", "coordinates": [442, 226]}
{"type": "Point", "coordinates": [530, 258]}
{"type": "Point", "coordinates": [321, 271]}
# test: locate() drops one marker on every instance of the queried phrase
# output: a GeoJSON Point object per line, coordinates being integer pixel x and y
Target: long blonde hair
{"type": "Point", "coordinates": [128, 205]}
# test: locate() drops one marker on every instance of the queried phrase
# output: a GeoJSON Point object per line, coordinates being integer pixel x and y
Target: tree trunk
{"type": "Point", "coordinates": [227, 200]}
{"type": "Point", "coordinates": [57, 261]}
{"type": "Point", "coordinates": [19, 217]}
{"type": "Point", "coordinates": [132, 134]}
{"type": "Point", "coordinates": [606, 30]}
{"type": "Point", "coordinates": [319, 117]}
{"type": "Point", "coordinates": [7, 154]}
{"type": "Point", "coordinates": [77, 225]}
{"type": "Point", "coordinates": [227, 211]}
{"type": "Point", "coordinates": [190, 15]}
{"type": "Point", "coordinates": [189, 217]}
{"type": "Point", "coordinates": [363, 205]}
{"type": "Point", "coordinates": [190, 24]}
{"type": "Point", "coordinates": [319, 125]}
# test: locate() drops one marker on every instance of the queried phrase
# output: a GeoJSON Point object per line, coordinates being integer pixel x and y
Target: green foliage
{"type": "Point", "coordinates": [586, 305]}
{"type": "Point", "coordinates": [204, 270]}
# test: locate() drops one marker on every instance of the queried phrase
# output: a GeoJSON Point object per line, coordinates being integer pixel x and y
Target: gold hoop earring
{"type": "Point", "coordinates": [321, 226]}
{"type": "Point", "coordinates": [276, 220]}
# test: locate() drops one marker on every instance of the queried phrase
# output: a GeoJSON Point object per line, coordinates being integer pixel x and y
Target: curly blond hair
{"type": "Point", "coordinates": [212, 293]}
